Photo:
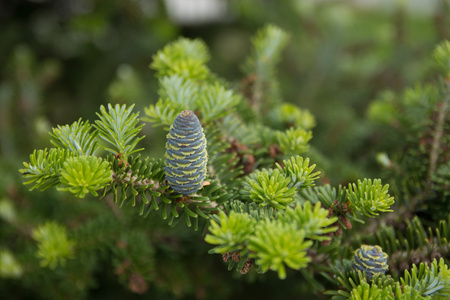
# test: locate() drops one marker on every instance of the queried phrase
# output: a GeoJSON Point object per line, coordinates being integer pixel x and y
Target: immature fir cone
{"type": "Point", "coordinates": [186, 155]}
{"type": "Point", "coordinates": [370, 259]}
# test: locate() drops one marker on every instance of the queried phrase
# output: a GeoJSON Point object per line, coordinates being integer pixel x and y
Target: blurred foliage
{"type": "Point", "coordinates": [61, 59]}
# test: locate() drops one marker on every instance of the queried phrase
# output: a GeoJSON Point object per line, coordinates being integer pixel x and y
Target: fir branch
{"type": "Point", "coordinates": [431, 280]}
{"type": "Point", "coordinates": [289, 115]}
{"type": "Point", "coordinates": [232, 233]}
{"type": "Point", "coordinates": [298, 170]}
{"type": "Point", "coordinates": [275, 245]}
{"type": "Point", "coordinates": [269, 187]}
{"type": "Point", "coordinates": [313, 221]}
{"type": "Point", "coordinates": [222, 162]}
{"type": "Point", "coordinates": [251, 208]}
{"type": "Point", "coordinates": [44, 167]}
{"type": "Point", "coordinates": [177, 93]}
{"type": "Point", "coordinates": [118, 128]}
{"type": "Point", "coordinates": [137, 178]}
{"type": "Point", "coordinates": [369, 197]}
{"type": "Point", "coordinates": [183, 57]}
{"type": "Point", "coordinates": [293, 141]}
{"type": "Point", "coordinates": [267, 46]}
{"type": "Point", "coordinates": [85, 174]}
{"type": "Point", "coordinates": [216, 102]}
{"type": "Point", "coordinates": [77, 138]}
{"type": "Point", "coordinates": [54, 246]}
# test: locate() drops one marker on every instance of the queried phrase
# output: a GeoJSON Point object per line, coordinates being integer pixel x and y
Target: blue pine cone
{"type": "Point", "coordinates": [186, 155]}
{"type": "Point", "coordinates": [370, 259]}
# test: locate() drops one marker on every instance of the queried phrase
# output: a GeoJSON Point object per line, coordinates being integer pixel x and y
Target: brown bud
{"type": "Point", "coordinates": [236, 256]}
{"type": "Point", "coordinates": [346, 222]}
{"type": "Point", "coordinates": [226, 257]}
{"type": "Point", "coordinates": [248, 264]}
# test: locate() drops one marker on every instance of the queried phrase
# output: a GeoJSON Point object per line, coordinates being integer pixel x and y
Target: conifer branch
{"type": "Point", "coordinates": [118, 128]}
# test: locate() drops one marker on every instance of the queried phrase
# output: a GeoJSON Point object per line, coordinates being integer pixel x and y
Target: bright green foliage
{"type": "Point", "coordinates": [85, 174]}
{"type": "Point", "coordinates": [269, 187]}
{"type": "Point", "coordinates": [268, 43]}
{"type": "Point", "coordinates": [54, 246]}
{"type": "Point", "coordinates": [324, 194]}
{"type": "Point", "coordinates": [313, 221]}
{"type": "Point", "coordinates": [44, 168]}
{"type": "Point", "coordinates": [442, 57]}
{"type": "Point", "coordinates": [291, 115]}
{"type": "Point", "coordinates": [369, 197]}
{"type": "Point", "coordinates": [406, 292]}
{"type": "Point", "coordinates": [183, 57]}
{"type": "Point", "coordinates": [117, 127]}
{"type": "Point", "coordinates": [9, 267]}
{"type": "Point", "coordinates": [431, 280]}
{"type": "Point", "coordinates": [299, 171]}
{"type": "Point", "coordinates": [277, 187]}
{"type": "Point", "coordinates": [231, 232]}
{"type": "Point", "coordinates": [178, 93]}
{"type": "Point", "coordinates": [216, 102]}
{"type": "Point", "coordinates": [368, 292]}
{"type": "Point", "coordinates": [276, 245]}
{"type": "Point", "coordinates": [294, 141]}
{"type": "Point", "coordinates": [365, 199]}
{"type": "Point", "coordinates": [77, 138]}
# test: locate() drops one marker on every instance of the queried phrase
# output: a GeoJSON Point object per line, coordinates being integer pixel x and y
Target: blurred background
{"type": "Point", "coordinates": [61, 59]}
